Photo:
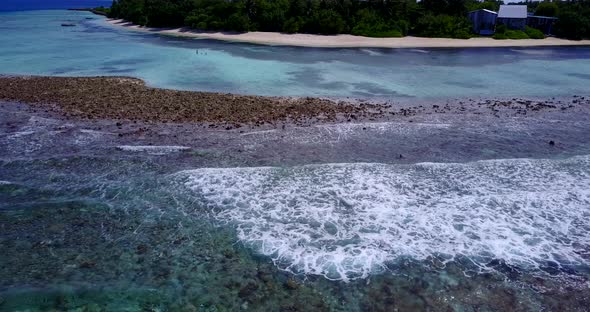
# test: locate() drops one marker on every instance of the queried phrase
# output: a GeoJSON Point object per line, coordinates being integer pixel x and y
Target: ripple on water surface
{"type": "Point", "coordinates": [346, 221]}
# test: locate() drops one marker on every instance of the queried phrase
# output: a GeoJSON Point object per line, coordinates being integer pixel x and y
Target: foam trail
{"type": "Point", "coordinates": [533, 51]}
{"type": "Point", "coordinates": [372, 52]}
{"type": "Point", "coordinates": [20, 134]}
{"type": "Point", "coordinates": [346, 221]}
{"type": "Point", "coordinates": [153, 149]}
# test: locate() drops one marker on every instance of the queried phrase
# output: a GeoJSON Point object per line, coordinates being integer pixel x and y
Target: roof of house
{"type": "Point", "coordinates": [512, 11]}
{"type": "Point", "coordinates": [485, 10]}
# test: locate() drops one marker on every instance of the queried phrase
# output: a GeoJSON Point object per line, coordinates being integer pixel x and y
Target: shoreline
{"type": "Point", "coordinates": [347, 41]}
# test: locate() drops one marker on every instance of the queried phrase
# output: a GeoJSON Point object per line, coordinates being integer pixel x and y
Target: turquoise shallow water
{"type": "Point", "coordinates": [33, 42]}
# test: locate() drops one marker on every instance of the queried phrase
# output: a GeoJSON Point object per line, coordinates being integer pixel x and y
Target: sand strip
{"type": "Point", "coordinates": [348, 41]}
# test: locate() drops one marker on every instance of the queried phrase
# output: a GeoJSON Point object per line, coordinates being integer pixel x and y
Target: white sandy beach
{"type": "Point", "coordinates": [349, 41]}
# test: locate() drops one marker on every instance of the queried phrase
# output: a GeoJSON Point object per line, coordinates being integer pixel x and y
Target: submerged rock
{"type": "Point", "coordinates": [291, 284]}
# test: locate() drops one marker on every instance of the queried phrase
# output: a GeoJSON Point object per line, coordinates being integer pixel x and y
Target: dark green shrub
{"type": "Point", "coordinates": [379, 31]}
{"type": "Point", "coordinates": [369, 23]}
{"type": "Point", "coordinates": [534, 33]}
{"type": "Point", "coordinates": [443, 26]}
{"type": "Point", "coordinates": [237, 22]}
{"type": "Point", "coordinates": [292, 25]}
{"type": "Point", "coordinates": [511, 34]}
{"type": "Point", "coordinates": [462, 34]}
{"type": "Point", "coordinates": [516, 34]}
{"type": "Point", "coordinates": [194, 20]}
{"type": "Point", "coordinates": [499, 36]}
{"type": "Point", "coordinates": [403, 26]}
{"type": "Point", "coordinates": [393, 33]}
{"type": "Point", "coordinates": [502, 32]}
{"type": "Point", "coordinates": [328, 22]}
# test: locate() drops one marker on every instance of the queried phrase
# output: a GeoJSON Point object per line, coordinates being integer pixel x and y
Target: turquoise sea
{"type": "Point", "coordinates": [438, 212]}
{"type": "Point", "coordinates": [34, 42]}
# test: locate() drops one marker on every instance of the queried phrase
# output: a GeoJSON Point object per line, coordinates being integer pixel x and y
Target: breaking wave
{"type": "Point", "coordinates": [346, 221]}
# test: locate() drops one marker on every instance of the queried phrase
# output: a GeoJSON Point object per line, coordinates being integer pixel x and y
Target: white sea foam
{"type": "Point", "coordinates": [372, 52]}
{"type": "Point", "coordinates": [95, 132]}
{"type": "Point", "coordinates": [347, 221]}
{"type": "Point", "coordinates": [259, 132]}
{"type": "Point", "coordinates": [337, 133]}
{"type": "Point", "coordinates": [381, 127]}
{"type": "Point", "coordinates": [19, 134]}
{"type": "Point", "coordinates": [5, 182]}
{"type": "Point", "coordinates": [533, 51]}
{"type": "Point", "coordinates": [153, 149]}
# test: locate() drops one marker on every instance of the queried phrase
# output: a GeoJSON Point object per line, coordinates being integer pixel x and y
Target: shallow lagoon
{"type": "Point", "coordinates": [34, 43]}
{"type": "Point", "coordinates": [480, 213]}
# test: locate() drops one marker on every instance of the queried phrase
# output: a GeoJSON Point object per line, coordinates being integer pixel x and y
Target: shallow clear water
{"type": "Point", "coordinates": [34, 43]}
{"type": "Point", "coordinates": [481, 213]}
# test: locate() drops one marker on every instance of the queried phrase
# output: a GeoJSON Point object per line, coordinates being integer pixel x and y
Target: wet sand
{"type": "Point", "coordinates": [348, 41]}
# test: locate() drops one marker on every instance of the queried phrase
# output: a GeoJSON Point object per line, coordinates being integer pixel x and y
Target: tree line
{"type": "Point", "coordinates": [372, 18]}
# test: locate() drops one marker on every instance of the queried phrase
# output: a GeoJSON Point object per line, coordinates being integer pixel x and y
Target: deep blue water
{"type": "Point", "coordinates": [26, 5]}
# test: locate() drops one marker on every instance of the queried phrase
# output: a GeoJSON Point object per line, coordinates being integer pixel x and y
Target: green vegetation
{"type": "Point", "coordinates": [373, 18]}
{"type": "Point", "coordinates": [573, 15]}
{"type": "Point", "coordinates": [573, 24]}
{"type": "Point", "coordinates": [443, 26]}
{"type": "Point", "coordinates": [530, 33]}
{"type": "Point", "coordinates": [534, 33]}
{"type": "Point", "coordinates": [103, 10]}
{"type": "Point", "coordinates": [509, 34]}
{"type": "Point", "coordinates": [392, 18]}
{"type": "Point", "coordinates": [487, 5]}
{"type": "Point", "coordinates": [547, 9]}
{"type": "Point", "coordinates": [371, 24]}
